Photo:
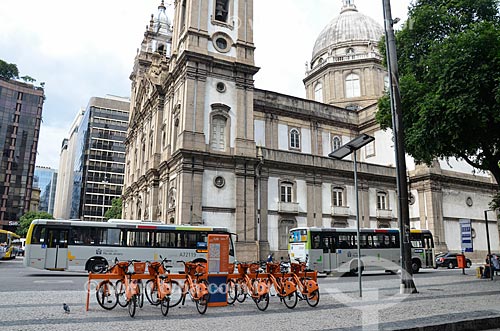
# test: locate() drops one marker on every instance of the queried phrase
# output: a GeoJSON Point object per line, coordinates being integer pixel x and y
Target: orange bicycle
{"type": "Point", "coordinates": [159, 290]}
{"type": "Point", "coordinates": [249, 284]}
{"type": "Point", "coordinates": [285, 288]}
{"type": "Point", "coordinates": [128, 289]}
{"type": "Point", "coordinates": [196, 285]}
{"type": "Point", "coordinates": [304, 279]}
{"type": "Point", "coordinates": [106, 294]}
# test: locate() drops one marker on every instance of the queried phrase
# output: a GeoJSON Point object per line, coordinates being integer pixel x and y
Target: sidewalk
{"type": "Point", "coordinates": [447, 300]}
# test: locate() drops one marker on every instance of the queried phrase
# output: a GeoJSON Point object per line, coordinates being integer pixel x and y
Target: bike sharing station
{"type": "Point", "coordinates": [217, 277]}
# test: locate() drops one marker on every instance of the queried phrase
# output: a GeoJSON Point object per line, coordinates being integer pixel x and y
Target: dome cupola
{"type": "Point", "coordinates": [349, 29]}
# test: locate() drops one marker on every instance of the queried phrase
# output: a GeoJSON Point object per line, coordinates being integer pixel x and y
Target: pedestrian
{"type": "Point", "coordinates": [495, 263]}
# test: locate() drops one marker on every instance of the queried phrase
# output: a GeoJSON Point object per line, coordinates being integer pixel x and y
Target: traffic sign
{"type": "Point", "coordinates": [466, 235]}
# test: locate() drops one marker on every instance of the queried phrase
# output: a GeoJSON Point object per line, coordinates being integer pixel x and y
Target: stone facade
{"type": "Point", "coordinates": [205, 147]}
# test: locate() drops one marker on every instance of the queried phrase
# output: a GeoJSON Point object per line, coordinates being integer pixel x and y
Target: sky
{"type": "Point", "coordinates": [84, 49]}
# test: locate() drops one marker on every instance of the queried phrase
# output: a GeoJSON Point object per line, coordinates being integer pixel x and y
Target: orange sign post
{"type": "Point", "coordinates": [218, 265]}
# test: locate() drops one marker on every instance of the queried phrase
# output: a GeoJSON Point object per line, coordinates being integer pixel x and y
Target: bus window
{"type": "Point", "coordinates": [38, 234]}
{"type": "Point", "coordinates": [316, 241]}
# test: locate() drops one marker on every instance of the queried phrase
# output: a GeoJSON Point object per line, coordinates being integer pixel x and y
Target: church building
{"type": "Point", "coordinates": [205, 147]}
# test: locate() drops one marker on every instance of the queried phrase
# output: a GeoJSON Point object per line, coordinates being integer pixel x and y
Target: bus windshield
{"type": "Point", "coordinates": [297, 236]}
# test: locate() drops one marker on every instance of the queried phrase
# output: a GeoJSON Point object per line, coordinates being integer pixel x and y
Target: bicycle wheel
{"type": "Point", "coordinates": [165, 305]}
{"type": "Point", "coordinates": [312, 298]}
{"type": "Point", "coordinates": [262, 301]}
{"type": "Point", "coordinates": [106, 295]}
{"type": "Point", "coordinates": [290, 300]}
{"type": "Point", "coordinates": [151, 290]}
{"type": "Point", "coordinates": [241, 292]}
{"type": "Point", "coordinates": [120, 293]}
{"type": "Point", "coordinates": [232, 291]}
{"type": "Point", "coordinates": [140, 294]}
{"type": "Point", "coordinates": [202, 303]}
{"type": "Point", "coordinates": [132, 305]}
{"type": "Point", "coordinates": [176, 294]}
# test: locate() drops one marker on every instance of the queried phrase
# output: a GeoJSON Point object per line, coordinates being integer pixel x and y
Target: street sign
{"type": "Point", "coordinates": [466, 235]}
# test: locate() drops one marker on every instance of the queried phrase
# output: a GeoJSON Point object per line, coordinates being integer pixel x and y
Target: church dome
{"type": "Point", "coordinates": [348, 28]}
{"type": "Point", "coordinates": [162, 23]}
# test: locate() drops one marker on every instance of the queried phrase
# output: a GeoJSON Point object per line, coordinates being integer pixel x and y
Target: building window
{"type": "Point", "coordinates": [286, 192]}
{"type": "Point", "coordinates": [338, 196]}
{"type": "Point", "coordinates": [350, 51]}
{"type": "Point", "coordinates": [352, 86]}
{"type": "Point", "coordinates": [294, 139]}
{"type": "Point", "coordinates": [370, 149]}
{"type": "Point", "coordinates": [163, 136]}
{"type": "Point", "coordinates": [382, 201]}
{"type": "Point", "coordinates": [221, 10]}
{"type": "Point", "coordinates": [336, 143]}
{"type": "Point", "coordinates": [183, 14]}
{"type": "Point", "coordinates": [284, 232]}
{"type": "Point", "coordinates": [318, 92]}
{"type": "Point", "coordinates": [151, 141]}
{"type": "Point", "coordinates": [386, 83]}
{"type": "Point", "coordinates": [218, 142]}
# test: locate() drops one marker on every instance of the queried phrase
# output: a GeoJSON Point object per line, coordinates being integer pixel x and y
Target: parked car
{"type": "Point", "coordinates": [449, 260]}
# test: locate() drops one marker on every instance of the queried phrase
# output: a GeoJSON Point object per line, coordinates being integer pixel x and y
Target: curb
{"type": "Point", "coordinates": [465, 325]}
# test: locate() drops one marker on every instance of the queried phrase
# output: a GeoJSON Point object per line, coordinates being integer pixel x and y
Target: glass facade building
{"type": "Point", "coordinates": [46, 180]}
{"type": "Point", "coordinates": [100, 157]}
{"type": "Point", "coordinates": [20, 116]}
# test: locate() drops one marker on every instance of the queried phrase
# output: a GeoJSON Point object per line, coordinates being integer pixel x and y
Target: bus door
{"type": "Point", "coordinates": [329, 253]}
{"type": "Point", "coordinates": [56, 251]}
{"type": "Point", "coordinates": [428, 250]}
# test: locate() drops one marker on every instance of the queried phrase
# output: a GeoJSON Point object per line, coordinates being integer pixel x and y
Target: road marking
{"type": "Point", "coordinates": [52, 281]}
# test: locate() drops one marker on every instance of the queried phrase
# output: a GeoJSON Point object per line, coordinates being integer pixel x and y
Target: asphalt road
{"type": "Point", "coordinates": [15, 277]}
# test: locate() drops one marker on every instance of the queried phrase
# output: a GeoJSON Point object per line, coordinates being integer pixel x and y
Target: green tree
{"type": "Point", "coordinates": [26, 219]}
{"type": "Point", "coordinates": [116, 209]}
{"type": "Point", "coordinates": [449, 66]}
{"type": "Point", "coordinates": [8, 70]}
{"type": "Point", "coordinates": [28, 79]}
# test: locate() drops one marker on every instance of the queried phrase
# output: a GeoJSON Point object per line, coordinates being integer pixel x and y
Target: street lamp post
{"type": "Point", "coordinates": [350, 148]}
{"type": "Point", "coordinates": [407, 285]}
{"type": "Point", "coordinates": [105, 182]}
{"type": "Point", "coordinates": [488, 242]}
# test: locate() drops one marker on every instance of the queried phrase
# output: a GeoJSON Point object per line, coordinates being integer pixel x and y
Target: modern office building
{"type": "Point", "coordinates": [64, 188]}
{"type": "Point", "coordinates": [20, 116]}
{"type": "Point", "coordinates": [99, 159]}
{"type": "Point", "coordinates": [205, 147]}
{"type": "Point", "coordinates": [45, 179]}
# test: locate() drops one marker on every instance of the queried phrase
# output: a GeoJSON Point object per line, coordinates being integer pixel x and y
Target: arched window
{"type": "Point", "coordinates": [218, 139]}
{"type": "Point", "coordinates": [284, 232]}
{"type": "Point", "coordinates": [336, 142]}
{"type": "Point", "coordinates": [318, 92]}
{"type": "Point", "coordinates": [294, 139]}
{"type": "Point", "coordinates": [183, 14]}
{"type": "Point", "coordinates": [221, 10]}
{"type": "Point", "coordinates": [352, 86]}
{"type": "Point", "coordinates": [350, 51]}
{"type": "Point", "coordinates": [386, 83]}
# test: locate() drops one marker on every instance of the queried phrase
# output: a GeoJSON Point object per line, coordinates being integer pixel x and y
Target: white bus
{"type": "Point", "coordinates": [335, 249]}
{"type": "Point", "coordinates": [79, 245]}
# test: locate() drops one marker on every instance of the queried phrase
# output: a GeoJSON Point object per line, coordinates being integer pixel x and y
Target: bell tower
{"type": "Point", "coordinates": [209, 101]}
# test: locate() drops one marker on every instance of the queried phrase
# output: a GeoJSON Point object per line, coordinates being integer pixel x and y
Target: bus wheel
{"type": "Point", "coordinates": [96, 265]}
{"type": "Point", "coordinates": [415, 266]}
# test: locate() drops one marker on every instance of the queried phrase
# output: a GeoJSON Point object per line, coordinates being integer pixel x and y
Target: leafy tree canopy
{"type": "Point", "coordinates": [449, 66]}
{"type": "Point", "coordinates": [8, 70]}
{"type": "Point", "coordinates": [26, 219]}
{"type": "Point", "coordinates": [116, 209]}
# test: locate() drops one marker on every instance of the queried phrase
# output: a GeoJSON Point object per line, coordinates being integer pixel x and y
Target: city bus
{"type": "Point", "coordinates": [76, 245]}
{"type": "Point", "coordinates": [335, 249]}
{"type": "Point", "coordinates": [7, 249]}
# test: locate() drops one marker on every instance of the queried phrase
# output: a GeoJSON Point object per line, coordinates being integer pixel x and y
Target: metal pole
{"type": "Point", "coordinates": [357, 224]}
{"type": "Point", "coordinates": [407, 283]}
{"type": "Point", "coordinates": [104, 197]}
{"type": "Point", "coordinates": [488, 242]}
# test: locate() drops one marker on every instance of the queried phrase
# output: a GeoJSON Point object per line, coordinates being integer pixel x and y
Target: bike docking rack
{"type": "Point", "coordinates": [251, 270]}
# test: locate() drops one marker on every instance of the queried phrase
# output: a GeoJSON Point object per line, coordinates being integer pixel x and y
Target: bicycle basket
{"type": "Point", "coordinates": [254, 268]}
{"type": "Point", "coordinates": [155, 268]}
{"type": "Point", "coordinates": [296, 268]}
{"type": "Point", "coordinates": [139, 267]}
{"type": "Point", "coordinates": [272, 268]}
{"type": "Point", "coordinates": [242, 268]}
